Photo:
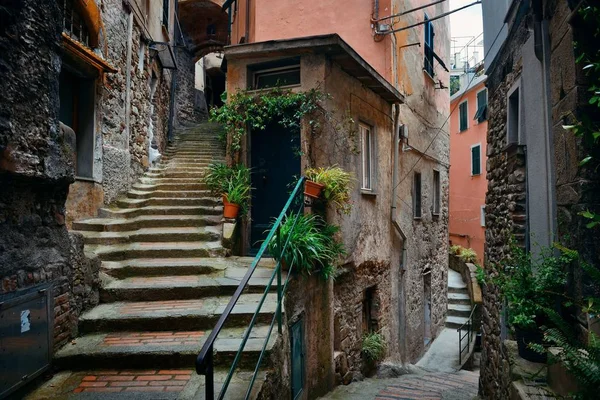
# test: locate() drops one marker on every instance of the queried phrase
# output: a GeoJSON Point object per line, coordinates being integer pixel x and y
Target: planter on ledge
{"type": "Point", "coordinates": [313, 189]}
{"type": "Point", "coordinates": [230, 210]}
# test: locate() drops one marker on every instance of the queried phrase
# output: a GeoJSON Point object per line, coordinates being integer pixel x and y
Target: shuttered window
{"type": "Point", "coordinates": [417, 206]}
{"type": "Point", "coordinates": [482, 105]}
{"type": "Point", "coordinates": [429, 53]}
{"type": "Point", "coordinates": [166, 6]}
{"type": "Point", "coordinates": [463, 111]}
{"type": "Point", "coordinates": [476, 160]}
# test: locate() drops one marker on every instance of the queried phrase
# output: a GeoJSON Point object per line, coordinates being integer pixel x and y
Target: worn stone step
{"type": "Point", "coordinates": [139, 194]}
{"type": "Point", "coordinates": [172, 187]}
{"type": "Point", "coordinates": [193, 157]}
{"type": "Point", "coordinates": [218, 155]}
{"type": "Point", "coordinates": [455, 322]}
{"type": "Point", "coordinates": [159, 210]}
{"type": "Point", "coordinates": [462, 290]}
{"type": "Point", "coordinates": [158, 384]}
{"type": "Point", "coordinates": [459, 310]}
{"type": "Point", "coordinates": [155, 180]}
{"type": "Point", "coordinates": [459, 298]}
{"type": "Point", "coordinates": [161, 249]}
{"type": "Point", "coordinates": [145, 221]}
{"type": "Point", "coordinates": [176, 168]}
{"type": "Point", "coordinates": [200, 314]}
{"type": "Point", "coordinates": [185, 164]}
{"type": "Point", "coordinates": [180, 287]}
{"type": "Point", "coordinates": [179, 266]}
{"type": "Point", "coordinates": [167, 174]}
{"type": "Point", "coordinates": [161, 349]}
{"type": "Point", "coordinates": [163, 234]}
{"type": "Point", "coordinates": [169, 201]}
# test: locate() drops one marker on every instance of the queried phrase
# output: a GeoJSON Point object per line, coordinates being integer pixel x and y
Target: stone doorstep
{"type": "Point", "coordinates": [157, 249]}
{"type": "Point", "coordinates": [161, 349]}
{"type": "Point", "coordinates": [116, 213]}
{"type": "Point", "coordinates": [145, 221]}
{"type": "Point", "coordinates": [66, 383]}
{"type": "Point", "coordinates": [182, 266]}
{"type": "Point", "coordinates": [174, 314]}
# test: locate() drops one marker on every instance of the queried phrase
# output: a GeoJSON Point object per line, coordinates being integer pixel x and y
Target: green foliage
{"type": "Point", "coordinates": [480, 275]}
{"type": "Point", "coordinates": [311, 245]}
{"type": "Point", "coordinates": [255, 110]}
{"type": "Point", "coordinates": [337, 184]}
{"type": "Point", "coordinates": [468, 255]}
{"type": "Point", "coordinates": [373, 347]}
{"type": "Point", "coordinates": [454, 84]}
{"type": "Point", "coordinates": [531, 284]}
{"type": "Point", "coordinates": [455, 249]}
{"type": "Point", "coordinates": [234, 182]}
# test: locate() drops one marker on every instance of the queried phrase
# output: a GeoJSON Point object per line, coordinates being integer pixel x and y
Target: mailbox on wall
{"type": "Point", "coordinates": [25, 336]}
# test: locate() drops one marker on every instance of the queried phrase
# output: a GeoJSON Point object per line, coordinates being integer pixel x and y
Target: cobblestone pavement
{"type": "Point", "coordinates": [461, 385]}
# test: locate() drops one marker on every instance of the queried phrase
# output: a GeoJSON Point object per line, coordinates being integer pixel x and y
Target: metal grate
{"type": "Point", "coordinates": [73, 24]}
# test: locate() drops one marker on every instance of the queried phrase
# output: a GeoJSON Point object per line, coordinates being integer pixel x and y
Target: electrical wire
{"type": "Point", "coordinates": [449, 115]}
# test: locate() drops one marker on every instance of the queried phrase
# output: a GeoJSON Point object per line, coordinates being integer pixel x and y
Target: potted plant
{"type": "Point", "coordinates": [311, 245]}
{"type": "Point", "coordinates": [333, 183]}
{"type": "Point", "coordinates": [233, 184]}
{"type": "Point", "coordinates": [373, 349]}
{"type": "Point", "coordinates": [530, 286]}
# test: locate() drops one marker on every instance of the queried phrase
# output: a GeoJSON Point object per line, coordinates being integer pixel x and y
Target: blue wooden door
{"type": "Point", "coordinates": [275, 162]}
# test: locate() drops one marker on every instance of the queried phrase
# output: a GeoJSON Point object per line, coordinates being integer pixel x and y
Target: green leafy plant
{"type": "Point", "coordinates": [373, 347]}
{"type": "Point", "coordinates": [456, 249]}
{"type": "Point", "coordinates": [311, 245]}
{"type": "Point", "coordinates": [233, 182]}
{"type": "Point", "coordinates": [239, 190]}
{"type": "Point", "coordinates": [480, 275]}
{"type": "Point", "coordinates": [468, 255]}
{"type": "Point", "coordinates": [337, 184]}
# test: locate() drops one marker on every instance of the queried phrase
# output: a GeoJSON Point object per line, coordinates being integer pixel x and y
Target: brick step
{"type": "Point", "coordinates": [171, 187]}
{"type": "Point", "coordinates": [459, 298]}
{"type": "Point", "coordinates": [178, 266]}
{"type": "Point", "coordinates": [459, 310]}
{"type": "Point", "coordinates": [159, 210]}
{"type": "Point", "coordinates": [162, 249]}
{"type": "Point", "coordinates": [147, 384]}
{"type": "Point", "coordinates": [174, 314]}
{"type": "Point", "coordinates": [161, 349]}
{"type": "Point", "coordinates": [195, 194]}
{"type": "Point", "coordinates": [163, 234]}
{"type": "Point", "coordinates": [145, 221]}
{"type": "Point", "coordinates": [168, 201]}
{"type": "Point", "coordinates": [455, 322]}
{"type": "Point", "coordinates": [183, 287]}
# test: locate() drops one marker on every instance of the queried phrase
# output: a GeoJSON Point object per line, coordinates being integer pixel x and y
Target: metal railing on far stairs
{"type": "Point", "coordinates": [465, 336]}
{"type": "Point", "coordinates": [294, 208]}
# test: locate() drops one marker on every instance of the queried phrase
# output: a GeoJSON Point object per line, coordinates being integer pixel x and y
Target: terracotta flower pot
{"type": "Point", "coordinates": [313, 189]}
{"type": "Point", "coordinates": [230, 210]}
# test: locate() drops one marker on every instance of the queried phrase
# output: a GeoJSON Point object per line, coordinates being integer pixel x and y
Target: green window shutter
{"type": "Point", "coordinates": [463, 116]}
{"type": "Point", "coordinates": [476, 160]}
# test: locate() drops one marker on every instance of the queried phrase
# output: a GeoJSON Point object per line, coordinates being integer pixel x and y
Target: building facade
{"type": "Point", "coordinates": [536, 187]}
{"type": "Point", "coordinates": [468, 159]}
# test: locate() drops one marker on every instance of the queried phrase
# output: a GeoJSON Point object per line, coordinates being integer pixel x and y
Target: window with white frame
{"type": "Point", "coordinates": [482, 218]}
{"type": "Point", "coordinates": [436, 193]}
{"type": "Point", "coordinates": [463, 111]}
{"type": "Point", "coordinates": [476, 160]}
{"type": "Point", "coordinates": [417, 199]}
{"type": "Point", "coordinates": [366, 139]}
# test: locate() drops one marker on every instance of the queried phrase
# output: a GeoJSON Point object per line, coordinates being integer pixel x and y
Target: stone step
{"type": "Point", "coordinates": [459, 310]}
{"type": "Point", "coordinates": [161, 249]}
{"type": "Point", "coordinates": [115, 384]}
{"type": "Point", "coordinates": [199, 314]}
{"type": "Point", "coordinates": [169, 201]}
{"type": "Point", "coordinates": [459, 298]}
{"type": "Point", "coordinates": [179, 266]}
{"type": "Point", "coordinates": [181, 287]}
{"type": "Point", "coordinates": [159, 210]}
{"type": "Point", "coordinates": [143, 194]}
{"type": "Point", "coordinates": [164, 169]}
{"type": "Point", "coordinates": [195, 153]}
{"type": "Point", "coordinates": [171, 187]}
{"type": "Point", "coordinates": [145, 221]}
{"type": "Point", "coordinates": [185, 164]}
{"type": "Point", "coordinates": [168, 174]}
{"type": "Point", "coordinates": [163, 234]}
{"type": "Point", "coordinates": [193, 157]}
{"type": "Point", "coordinates": [161, 349]}
{"type": "Point", "coordinates": [462, 290]}
{"type": "Point", "coordinates": [455, 322]}
{"type": "Point", "coordinates": [155, 180]}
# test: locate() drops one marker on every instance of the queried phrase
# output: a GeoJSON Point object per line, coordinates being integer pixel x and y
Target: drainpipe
{"type": "Point", "coordinates": [396, 141]}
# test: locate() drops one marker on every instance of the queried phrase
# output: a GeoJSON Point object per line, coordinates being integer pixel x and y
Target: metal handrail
{"type": "Point", "coordinates": [204, 361]}
{"type": "Point", "coordinates": [468, 325]}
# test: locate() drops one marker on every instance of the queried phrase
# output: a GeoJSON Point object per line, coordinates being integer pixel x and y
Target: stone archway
{"type": "Point", "coordinates": [205, 26]}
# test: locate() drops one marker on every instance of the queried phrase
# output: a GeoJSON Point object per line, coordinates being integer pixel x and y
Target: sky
{"type": "Point", "coordinates": [465, 24]}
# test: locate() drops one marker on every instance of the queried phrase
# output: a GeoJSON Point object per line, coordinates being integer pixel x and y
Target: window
{"type": "Point", "coordinates": [429, 53]}
{"type": "Point", "coordinates": [166, 7]}
{"type": "Point", "coordinates": [476, 160]}
{"type": "Point", "coordinates": [417, 196]}
{"type": "Point", "coordinates": [73, 23]}
{"type": "Point", "coordinates": [463, 110]}
{"type": "Point", "coordinates": [436, 193]}
{"type": "Point", "coordinates": [482, 218]}
{"type": "Point", "coordinates": [370, 311]}
{"type": "Point", "coordinates": [285, 72]}
{"type": "Point", "coordinates": [366, 138]}
{"type": "Point", "coordinates": [513, 116]}
{"type": "Point", "coordinates": [481, 114]}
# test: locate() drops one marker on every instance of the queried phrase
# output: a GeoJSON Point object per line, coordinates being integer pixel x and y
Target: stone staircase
{"type": "Point", "coordinates": [459, 302]}
{"type": "Point", "coordinates": [165, 283]}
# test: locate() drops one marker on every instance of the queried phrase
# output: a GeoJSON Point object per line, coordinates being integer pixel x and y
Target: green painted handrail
{"type": "Point", "coordinates": [204, 361]}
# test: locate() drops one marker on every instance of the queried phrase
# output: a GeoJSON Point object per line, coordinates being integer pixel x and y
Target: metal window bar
{"type": "Point", "coordinates": [467, 327]}
{"type": "Point", "coordinates": [204, 361]}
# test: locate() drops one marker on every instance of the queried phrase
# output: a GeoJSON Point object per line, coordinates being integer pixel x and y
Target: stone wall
{"type": "Point", "coordinates": [36, 168]}
{"type": "Point", "coordinates": [190, 105]}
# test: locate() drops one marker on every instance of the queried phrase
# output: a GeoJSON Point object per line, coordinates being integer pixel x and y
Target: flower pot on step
{"type": "Point", "coordinates": [313, 189]}
{"type": "Point", "coordinates": [230, 210]}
